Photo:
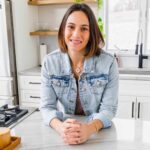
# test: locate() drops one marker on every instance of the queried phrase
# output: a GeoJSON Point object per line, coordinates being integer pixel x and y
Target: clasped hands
{"type": "Point", "coordinates": [74, 132]}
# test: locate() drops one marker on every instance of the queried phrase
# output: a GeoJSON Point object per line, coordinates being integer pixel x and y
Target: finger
{"type": "Point", "coordinates": [72, 121]}
{"type": "Point", "coordinates": [69, 120]}
{"type": "Point", "coordinates": [72, 129]}
{"type": "Point", "coordinates": [71, 140]}
{"type": "Point", "coordinates": [72, 135]}
{"type": "Point", "coordinates": [82, 140]}
{"type": "Point", "coordinates": [71, 125]}
{"type": "Point", "coordinates": [70, 143]}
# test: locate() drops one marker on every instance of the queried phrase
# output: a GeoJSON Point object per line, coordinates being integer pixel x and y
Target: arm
{"type": "Point", "coordinates": [108, 107]}
{"type": "Point", "coordinates": [48, 97]}
{"type": "Point", "coordinates": [109, 102]}
{"type": "Point", "coordinates": [51, 115]}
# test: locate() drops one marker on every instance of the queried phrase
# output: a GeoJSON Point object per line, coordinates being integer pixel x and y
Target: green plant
{"type": "Point", "coordinates": [100, 21]}
{"type": "Point", "coordinates": [78, 1]}
{"type": "Point", "coordinates": [101, 25]}
{"type": "Point", "coordinates": [99, 4]}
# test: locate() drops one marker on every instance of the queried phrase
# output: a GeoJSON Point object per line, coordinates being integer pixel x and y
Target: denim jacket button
{"type": "Point", "coordinates": [98, 82]}
{"type": "Point", "coordinates": [58, 83]}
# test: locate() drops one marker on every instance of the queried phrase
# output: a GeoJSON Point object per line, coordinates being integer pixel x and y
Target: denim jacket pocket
{"type": "Point", "coordinates": [60, 85]}
{"type": "Point", "coordinates": [97, 83]}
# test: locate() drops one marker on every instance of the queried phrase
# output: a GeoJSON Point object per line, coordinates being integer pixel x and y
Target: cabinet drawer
{"type": "Point", "coordinates": [134, 87]}
{"type": "Point", "coordinates": [30, 82]}
{"type": "Point", "coordinates": [34, 105]}
{"type": "Point", "coordinates": [30, 96]}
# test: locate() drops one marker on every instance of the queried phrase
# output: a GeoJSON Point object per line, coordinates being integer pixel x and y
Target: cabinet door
{"type": "Point", "coordinates": [126, 107]}
{"type": "Point", "coordinates": [143, 108]}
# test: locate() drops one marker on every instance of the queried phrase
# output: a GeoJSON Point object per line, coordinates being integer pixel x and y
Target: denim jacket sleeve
{"type": "Point", "coordinates": [109, 103]}
{"type": "Point", "coordinates": [48, 105]}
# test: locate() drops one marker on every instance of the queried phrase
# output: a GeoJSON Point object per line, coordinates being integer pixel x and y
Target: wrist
{"type": "Point", "coordinates": [57, 125]}
{"type": "Point", "coordinates": [96, 125]}
{"type": "Point", "coordinates": [91, 128]}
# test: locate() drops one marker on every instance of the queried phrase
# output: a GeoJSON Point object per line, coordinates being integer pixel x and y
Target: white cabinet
{"type": "Point", "coordinates": [134, 99]}
{"type": "Point", "coordinates": [29, 89]}
{"type": "Point", "coordinates": [143, 104]}
{"type": "Point", "coordinates": [126, 107]}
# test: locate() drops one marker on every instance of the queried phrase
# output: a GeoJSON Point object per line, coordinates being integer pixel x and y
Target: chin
{"type": "Point", "coordinates": [74, 49]}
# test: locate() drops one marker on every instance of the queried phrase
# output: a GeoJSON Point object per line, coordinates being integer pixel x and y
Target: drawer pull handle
{"type": "Point", "coordinates": [139, 110]}
{"type": "Point", "coordinates": [34, 83]}
{"type": "Point", "coordinates": [132, 109]}
{"type": "Point", "coordinates": [34, 97]}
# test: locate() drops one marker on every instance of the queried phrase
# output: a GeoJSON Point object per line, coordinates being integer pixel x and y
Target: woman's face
{"type": "Point", "coordinates": [77, 32]}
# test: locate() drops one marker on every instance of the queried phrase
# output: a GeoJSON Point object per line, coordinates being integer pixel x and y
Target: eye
{"type": "Point", "coordinates": [83, 29]}
{"type": "Point", "coordinates": [70, 27]}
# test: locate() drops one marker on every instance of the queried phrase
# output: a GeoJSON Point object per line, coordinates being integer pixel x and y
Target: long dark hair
{"type": "Point", "coordinates": [96, 41]}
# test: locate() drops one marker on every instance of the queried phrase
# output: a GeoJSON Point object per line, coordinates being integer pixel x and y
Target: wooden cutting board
{"type": "Point", "coordinates": [14, 142]}
{"type": "Point", "coordinates": [6, 141]}
{"type": "Point", "coordinates": [5, 138]}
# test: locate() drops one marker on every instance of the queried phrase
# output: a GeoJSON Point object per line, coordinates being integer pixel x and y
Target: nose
{"type": "Point", "coordinates": [77, 32]}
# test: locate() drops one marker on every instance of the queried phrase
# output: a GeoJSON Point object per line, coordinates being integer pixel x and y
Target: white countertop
{"type": "Point", "coordinates": [125, 134]}
{"type": "Point", "coordinates": [36, 71]}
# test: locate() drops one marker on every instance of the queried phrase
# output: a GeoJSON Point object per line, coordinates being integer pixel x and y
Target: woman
{"type": "Point", "coordinates": [81, 77]}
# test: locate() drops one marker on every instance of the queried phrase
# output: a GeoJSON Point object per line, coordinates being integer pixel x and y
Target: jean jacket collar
{"type": "Point", "coordinates": [88, 66]}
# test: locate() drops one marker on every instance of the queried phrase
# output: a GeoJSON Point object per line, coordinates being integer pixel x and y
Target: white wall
{"type": "Point", "coordinates": [24, 17]}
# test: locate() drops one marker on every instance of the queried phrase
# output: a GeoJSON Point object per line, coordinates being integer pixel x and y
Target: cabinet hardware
{"type": "Point", "coordinates": [139, 110]}
{"type": "Point", "coordinates": [35, 97]}
{"type": "Point", "coordinates": [34, 83]}
{"type": "Point", "coordinates": [132, 109]}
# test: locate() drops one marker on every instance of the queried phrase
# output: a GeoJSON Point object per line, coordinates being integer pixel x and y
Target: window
{"type": "Point", "coordinates": [124, 19]}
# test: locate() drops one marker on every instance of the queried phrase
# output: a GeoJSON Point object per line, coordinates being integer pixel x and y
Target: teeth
{"type": "Point", "coordinates": [76, 41]}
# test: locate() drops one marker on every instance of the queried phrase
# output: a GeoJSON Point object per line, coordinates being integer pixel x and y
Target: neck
{"type": "Point", "coordinates": [77, 59]}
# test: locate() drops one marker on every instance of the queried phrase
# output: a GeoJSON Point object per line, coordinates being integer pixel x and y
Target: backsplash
{"type": "Point", "coordinates": [131, 61]}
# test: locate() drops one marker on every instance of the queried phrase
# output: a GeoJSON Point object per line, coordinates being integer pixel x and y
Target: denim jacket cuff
{"type": "Point", "coordinates": [106, 122]}
{"type": "Point", "coordinates": [56, 114]}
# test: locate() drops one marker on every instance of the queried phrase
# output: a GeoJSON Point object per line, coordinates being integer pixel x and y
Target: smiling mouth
{"type": "Point", "coordinates": [76, 42]}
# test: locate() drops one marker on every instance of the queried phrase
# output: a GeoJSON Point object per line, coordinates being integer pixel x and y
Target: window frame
{"type": "Point", "coordinates": [142, 22]}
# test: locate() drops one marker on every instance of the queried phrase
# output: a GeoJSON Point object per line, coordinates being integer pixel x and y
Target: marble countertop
{"type": "Point", "coordinates": [36, 71]}
{"type": "Point", "coordinates": [125, 134]}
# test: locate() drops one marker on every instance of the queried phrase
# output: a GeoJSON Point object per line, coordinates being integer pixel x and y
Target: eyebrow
{"type": "Point", "coordinates": [81, 25]}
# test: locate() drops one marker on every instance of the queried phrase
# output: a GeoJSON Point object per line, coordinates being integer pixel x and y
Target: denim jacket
{"type": "Point", "coordinates": [98, 87]}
